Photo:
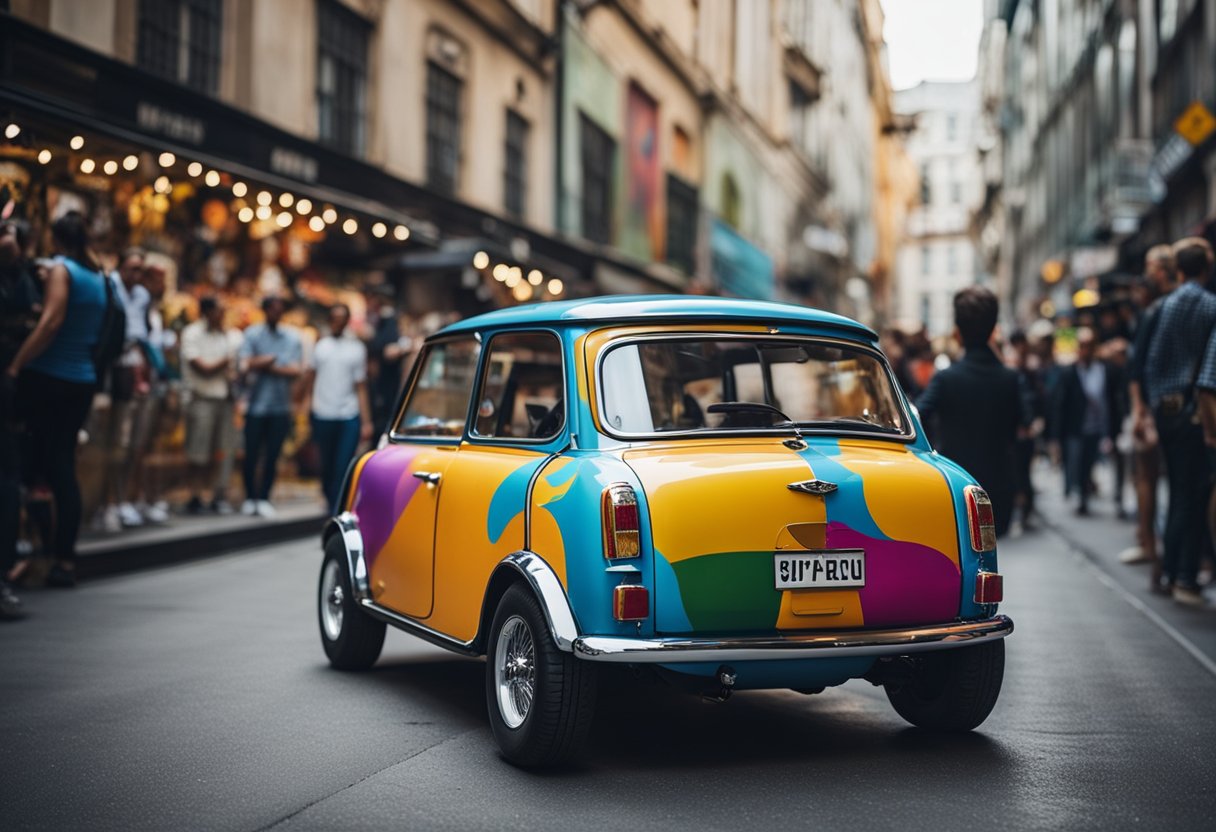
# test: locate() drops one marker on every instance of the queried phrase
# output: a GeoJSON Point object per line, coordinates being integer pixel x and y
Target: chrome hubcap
{"type": "Point", "coordinates": [331, 600]}
{"type": "Point", "coordinates": [515, 671]}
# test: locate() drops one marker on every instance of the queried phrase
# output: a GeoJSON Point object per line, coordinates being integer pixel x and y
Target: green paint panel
{"type": "Point", "coordinates": [729, 591]}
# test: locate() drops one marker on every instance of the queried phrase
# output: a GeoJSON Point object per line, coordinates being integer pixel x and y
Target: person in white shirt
{"type": "Point", "coordinates": [209, 354]}
{"type": "Point", "coordinates": [341, 412]}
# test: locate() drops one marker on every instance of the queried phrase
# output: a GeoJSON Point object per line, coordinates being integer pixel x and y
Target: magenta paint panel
{"type": "Point", "coordinates": [906, 583]}
{"type": "Point", "coordinates": [384, 490]}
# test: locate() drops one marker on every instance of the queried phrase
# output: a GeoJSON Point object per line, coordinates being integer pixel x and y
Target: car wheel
{"type": "Point", "coordinates": [540, 699]}
{"type": "Point", "coordinates": [951, 690]}
{"type": "Point", "coordinates": [352, 639]}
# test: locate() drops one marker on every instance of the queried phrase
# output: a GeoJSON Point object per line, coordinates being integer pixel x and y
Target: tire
{"type": "Point", "coordinates": [352, 639]}
{"type": "Point", "coordinates": [952, 690]}
{"type": "Point", "coordinates": [552, 726]}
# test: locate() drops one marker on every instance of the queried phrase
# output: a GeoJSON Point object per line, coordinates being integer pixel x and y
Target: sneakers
{"type": "Point", "coordinates": [221, 507]}
{"type": "Point", "coordinates": [266, 510]}
{"type": "Point", "coordinates": [129, 516]}
{"type": "Point", "coordinates": [111, 520]}
{"type": "Point", "coordinates": [157, 514]}
{"type": "Point", "coordinates": [1189, 596]}
{"type": "Point", "coordinates": [1135, 554]}
{"type": "Point", "coordinates": [249, 508]}
{"type": "Point", "coordinates": [10, 605]}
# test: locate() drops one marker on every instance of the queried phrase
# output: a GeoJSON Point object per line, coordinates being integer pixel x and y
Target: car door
{"type": "Point", "coordinates": [519, 420]}
{"type": "Point", "coordinates": [400, 486]}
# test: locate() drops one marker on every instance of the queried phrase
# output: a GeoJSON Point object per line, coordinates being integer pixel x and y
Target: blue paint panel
{"type": "Point", "coordinates": [848, 504]}
{"type": "Point", "coordinates": [969, 559]}
{"type": "Point", "coordinates": [508, 500]}
{"type": "Point", "coordinates": [670, 615]}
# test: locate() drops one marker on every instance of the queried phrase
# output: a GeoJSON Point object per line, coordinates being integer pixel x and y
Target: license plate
{"type": "Point", "coordinates": [820, 568]}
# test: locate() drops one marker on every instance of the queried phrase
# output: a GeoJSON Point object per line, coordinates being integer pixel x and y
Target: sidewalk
{"type": "Point", "coordinates": [1101, 536]}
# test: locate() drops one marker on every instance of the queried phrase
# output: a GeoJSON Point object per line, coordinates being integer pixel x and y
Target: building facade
{"type": "Point", "coordinates": [474, 153]}
{"type": "Point", "coordinates": [938, 255]}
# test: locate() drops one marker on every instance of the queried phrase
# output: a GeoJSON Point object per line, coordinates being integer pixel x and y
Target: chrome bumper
{"type": "Point", "coordinates": [820, 645]}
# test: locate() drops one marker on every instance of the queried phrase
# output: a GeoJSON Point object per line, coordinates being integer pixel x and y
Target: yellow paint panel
{"type": "Point", "coordinates": [809, 609]}
{"type": "Point", "coordinates": [354, 479]}
{"type": "Point", "coordinates": [908, 498]}
{"type": "Point", "coordinates": [728, 496]}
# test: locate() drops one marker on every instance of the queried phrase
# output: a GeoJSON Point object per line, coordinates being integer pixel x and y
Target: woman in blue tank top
{"type": "Point", "coordinates": [56, 380]}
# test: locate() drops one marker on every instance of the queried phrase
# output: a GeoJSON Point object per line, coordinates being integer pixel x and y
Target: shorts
{"type": "Point", "coordinates": [209, 430]}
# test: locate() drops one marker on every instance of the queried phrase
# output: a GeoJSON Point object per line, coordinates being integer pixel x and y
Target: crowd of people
{"type": "Point", "coordinates": [1134, 385]}
{"type": "Point", "coordinates": [86, 355]}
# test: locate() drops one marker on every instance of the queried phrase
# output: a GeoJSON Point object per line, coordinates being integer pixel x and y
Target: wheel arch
{"type": "Point", "coordinates": [346, 526]}
{"type": "Point", "coordinates": [531, 570]}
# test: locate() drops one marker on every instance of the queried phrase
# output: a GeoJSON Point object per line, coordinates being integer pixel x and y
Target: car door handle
{"type": "Point", "coordinates": [431, 477]}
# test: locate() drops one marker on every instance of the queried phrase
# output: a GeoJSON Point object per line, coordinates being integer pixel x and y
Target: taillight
{"type": "Point", "coordinates": [989, 588]}
{"type": "Point", "coordinates": [619, 510]}
{"type": "Point", "coordinates": [630, 602]}
{"type": "Point", "coordinates": [979, 519]}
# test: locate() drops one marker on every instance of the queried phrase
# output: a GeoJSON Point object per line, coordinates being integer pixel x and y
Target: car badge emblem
{"type": "Point", "coordinates": [819, 487]}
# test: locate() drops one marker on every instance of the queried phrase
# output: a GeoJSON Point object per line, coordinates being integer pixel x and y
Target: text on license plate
{"type": "Point", "coordinates": [820, 568]}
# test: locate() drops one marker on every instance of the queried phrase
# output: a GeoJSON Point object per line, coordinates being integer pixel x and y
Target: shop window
{"type": "Point", "coordinates": [443, 94]}
{"type": "Point", "coordinates": [681, 224]}
{"type": "Point", "coordinates": [732, 201]}
{"type": "Point", "coordinates": [598, 155]}
{"type": "Point", "coordinates": [342, 38]}
{"type": "Point", "coordinates": [520, 396]}
{"type": "Point", "coordinates": [515, 168]}
{"type": "Point", "coordinates": [180, 40]}
{"type": "Point", "coordinates": [438, 402]}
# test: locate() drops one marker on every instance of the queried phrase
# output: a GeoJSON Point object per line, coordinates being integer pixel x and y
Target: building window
{"type": "Point", "coordinates": [515, 169]}
{"type": "Point", "coordinates": [599, 154]}
{"type": "Point", "coordinates": [926, 190]}
{"type": "Point", "coordinates": [926, 260]}
{"type": "Point", "coordinates": [956, 192]}
{"type": "Point", "coordinates": [341, 77]}
{"type": "Point", "coordinates": [951, 259]}
{"type": "Point", "coordinates": [180, 40]}
{"type": "Point", "coordinates": [800, 107]}
{"type": "Point", "coordinates": [443, 94]}
{"type": "Point", "coordinates": [951, 127]}
{"type": "Point", "coordinates": [732, 201]}
{"type": "Point", "coordinates": [681, 224]}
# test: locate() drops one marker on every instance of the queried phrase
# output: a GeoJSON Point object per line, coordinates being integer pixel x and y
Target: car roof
{"type": "Point", "coordinates": [655, 308]}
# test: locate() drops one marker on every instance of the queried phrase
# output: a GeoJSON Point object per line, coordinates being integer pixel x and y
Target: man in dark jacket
{"type": "Point", "coordinates": [1089, 411]}
{"type": "Point", "coordinates": [974, 408]}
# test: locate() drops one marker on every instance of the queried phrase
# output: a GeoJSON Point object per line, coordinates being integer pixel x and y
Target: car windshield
{"type": "Point", "coordinates": [707, 383]}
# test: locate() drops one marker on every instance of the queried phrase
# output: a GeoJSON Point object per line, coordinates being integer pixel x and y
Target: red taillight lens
{"type": "Point", "coordinates": [979, 519]}
{"type": "Point", "coordinates": [630, 602]}
{"type": "Point", "coordinates": [989, 588]}
{"type": "Point", "coordinates": [622, 531]}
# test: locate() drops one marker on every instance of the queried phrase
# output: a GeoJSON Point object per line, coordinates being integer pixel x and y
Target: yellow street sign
{"type": "Point", "coordinates": [1196, 123]}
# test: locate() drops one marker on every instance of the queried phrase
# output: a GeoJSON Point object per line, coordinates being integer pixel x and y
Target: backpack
{"type": "Point", "coordinates": [112, 334]}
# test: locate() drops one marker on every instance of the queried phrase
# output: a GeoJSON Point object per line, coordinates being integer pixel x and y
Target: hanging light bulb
{"type": "Point", "coordinates": [194, 168]}
{"type": "Point", "coordinates": [556, 287]}
{"type": "Point", "coordinates": [44, 156]}
{"type": "Point", "coordinates": [76, 143]}
{"type": "Point", "coordinates": [212, 178]}
{"type": "Point", "coordinates": [402, 233]}
{"type": "Point", "coordinates": [110, 167]}
{"type": "Point", "coordinates": [285, 199]}
{"type": "Point", "coordinates": [245, 214]}
{"type": "Point", "coordinates": [304, 206]}
{"type": "Point", "coordinates": [87, 165]}
{"type": "Point", "coordinates": [284, 219]}
{"type": "Point", "coordinates": [166, 159]}
{"type": "Point", "coordinates": [131, 162]}
{"type": "Point", "coordinates": [162, 185]}
{"type": "Point", "coordinates": [522, 291]}
{"type": "Point", "coordinates": [379, 230]}
{"type": "Point", "coordinates": [239, 189]}
{"type": "Point", "coordinates": [12, 131]}
{"type": "Point", "coordinates": [501, 271]}
{"type": "Point", "coordinates": [264, 197]}
{"type": "Point", "coordinates": [329, 215]}
{"type": "Point", "coordinates": [350, 226]}
{"type": "Point", "coordinates": [535, 277]}
{"type": "Point", "coordinates": [264, 212]}
{"type": "Point", "coordinates": [481, 260]}
{"type": "Point", "coordinates": [316, 224]}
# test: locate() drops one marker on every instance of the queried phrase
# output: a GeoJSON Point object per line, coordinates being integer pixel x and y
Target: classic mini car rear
{"type": "Point", "coordinates": [733, 493]}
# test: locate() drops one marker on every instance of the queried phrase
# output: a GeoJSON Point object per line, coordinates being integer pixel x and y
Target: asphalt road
{"type": "Point", "coordinates": [197, 697]}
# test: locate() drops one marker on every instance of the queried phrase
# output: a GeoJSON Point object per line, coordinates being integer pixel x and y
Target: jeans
{"type": "Point", "coordinates": [54, 411]}
{"type": "Point", "coordinates": [1186, 470]}
{"type": "Point", "coordinates": [1081, 454]}
{"type": "Point", "coordinates": [337, 440]}
{"type": "Point", "coordinates": [264, 436]}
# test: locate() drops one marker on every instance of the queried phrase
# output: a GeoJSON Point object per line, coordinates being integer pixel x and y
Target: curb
{"type": "Point", "coordinates": [152, 554]}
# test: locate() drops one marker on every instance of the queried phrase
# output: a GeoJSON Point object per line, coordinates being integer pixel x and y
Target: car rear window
{"type": "Point", "coordinates": [708, 383]}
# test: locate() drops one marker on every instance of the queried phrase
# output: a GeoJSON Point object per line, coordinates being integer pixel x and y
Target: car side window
{"type": "Point", "coordinates": [520, 394]}
{"type": "Point", "coordinates": [438, 402]}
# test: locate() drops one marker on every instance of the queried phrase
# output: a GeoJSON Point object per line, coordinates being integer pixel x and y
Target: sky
{"type": "Point", "coordinates": [934, 40]}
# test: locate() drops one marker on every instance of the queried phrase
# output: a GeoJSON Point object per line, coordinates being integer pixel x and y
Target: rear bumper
{"type": "Point", "coordinates": [822, 645]}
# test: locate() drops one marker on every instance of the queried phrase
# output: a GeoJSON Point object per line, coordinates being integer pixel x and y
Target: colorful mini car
{"type": "Point", "coordinates": [735, 494]}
